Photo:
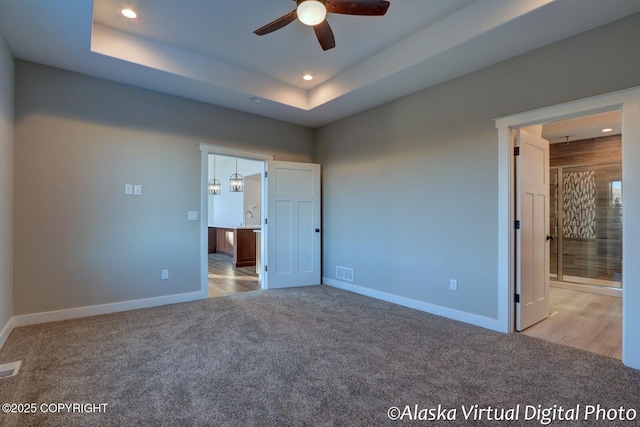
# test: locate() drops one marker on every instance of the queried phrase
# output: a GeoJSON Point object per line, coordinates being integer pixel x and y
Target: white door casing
{"type": "Point", "coordinates": [627, 100]}
{"type": "Point", "coordinates": [293, 224]}
{"type": "Point", "coordinates": [532, 246]}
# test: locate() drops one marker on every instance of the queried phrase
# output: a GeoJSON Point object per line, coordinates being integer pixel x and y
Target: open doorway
{"type": "Point", "coordinates": [628, 101]}
{"type": "Point", "coordinates": [288, 245]}
{"type": "Point", "coordinates": [233, 224]}
{"type": "Point", "coordinates": [584, 233]}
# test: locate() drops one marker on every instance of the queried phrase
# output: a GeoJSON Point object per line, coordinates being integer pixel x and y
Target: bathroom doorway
{"type": "Point", "coordinates": [586, 202]}
{"type": "Point", "coordinates": [585, 234]}
{"type": "Point", "coordinates": [628, 101]}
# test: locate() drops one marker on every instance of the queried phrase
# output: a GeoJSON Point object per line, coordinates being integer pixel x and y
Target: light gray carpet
{"type": "Point", "coordinates": [306, 356]}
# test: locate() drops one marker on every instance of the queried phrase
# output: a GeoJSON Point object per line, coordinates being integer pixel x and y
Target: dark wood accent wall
{"type": "Point", "coordinates": [598, 258]}
{"type": "Point", "coordinates": [586, 151]}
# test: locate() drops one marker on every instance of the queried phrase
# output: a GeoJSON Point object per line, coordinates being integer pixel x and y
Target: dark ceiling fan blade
{"type": "Point", "coordinates": [358, 7]}
{"type": "Point", "coordinates": [325, 35]}
{"type": "Point", "coordinates": [277, 24]}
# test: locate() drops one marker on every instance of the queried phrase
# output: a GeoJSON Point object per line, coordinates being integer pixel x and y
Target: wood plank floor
{"type": "Point", "coordinates": [582, 320]}
{"type": "Point", "coordinates": [224, 280]}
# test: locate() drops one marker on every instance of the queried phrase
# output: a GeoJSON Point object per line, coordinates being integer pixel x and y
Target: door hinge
{"type": "Point", "coordinates": [265, 221]}
{"type": "Point", "coordinates": [266, 268]}
{"type": "Point", "coordinates": [516, 298]}
{"type": "Point", "coordinates": [516, 151]}
{"type": "Point", "coordinates": [516, 224]}
{"type": "Point", "coordinates": [265, 174]}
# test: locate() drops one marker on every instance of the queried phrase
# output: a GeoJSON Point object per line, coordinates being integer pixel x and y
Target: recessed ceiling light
{"type": "Point", "coordinates": [607, 130]}
{"type": "Point", "coordinates": [129, 13]}
{"type": "Point", "coordinates": [307, 77]}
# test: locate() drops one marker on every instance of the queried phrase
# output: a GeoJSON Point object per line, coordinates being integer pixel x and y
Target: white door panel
{"type": "Point", "coordinates": [532, 209]}
{"type": "Point", "coordinates": [293, 224]}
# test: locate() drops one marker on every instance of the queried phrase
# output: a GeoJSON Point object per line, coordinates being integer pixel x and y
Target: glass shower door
{"type": "Point", "coordinates": [591, 220]}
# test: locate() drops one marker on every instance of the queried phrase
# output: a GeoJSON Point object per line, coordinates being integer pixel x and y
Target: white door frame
{"type": "Point", "coordinates": [205, 151]}
{"type": "Point", "coordinates": [629, 102]}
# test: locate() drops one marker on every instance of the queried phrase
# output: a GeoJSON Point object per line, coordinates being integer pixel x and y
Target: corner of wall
{"type": "Point", "coordinates": [7, 108]}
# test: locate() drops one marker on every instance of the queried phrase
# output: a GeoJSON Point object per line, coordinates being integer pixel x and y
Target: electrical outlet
{"type": "Point", "coordinates": [193, 216]}
{"type": "Point", "coordinates": [165, 274]}
{"type": "Point", "coordinates": [453, 285]}
{"type": "Point", "coordinates": [137, 190]}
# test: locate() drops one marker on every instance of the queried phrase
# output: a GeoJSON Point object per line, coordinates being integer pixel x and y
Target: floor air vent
{"type": "Point", "coordinates": [9, 369]}
{"type": "Point", "coordinates": [344, 273]}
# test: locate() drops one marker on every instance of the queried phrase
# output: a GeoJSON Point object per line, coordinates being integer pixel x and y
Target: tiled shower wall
{"type": "Point", "coordinates": [591, 202]}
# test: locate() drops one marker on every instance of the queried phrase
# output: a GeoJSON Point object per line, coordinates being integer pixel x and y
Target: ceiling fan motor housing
{"type": "Point", "coordinates": [314, 12]}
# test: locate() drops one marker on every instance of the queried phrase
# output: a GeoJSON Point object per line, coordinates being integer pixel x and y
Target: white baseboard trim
{"type": "Point", "coordinates": [94, 310]}
{"type": "Point", "coordinates": [438, 310]}
{"type": "Point", "coordinates": [4, 334]}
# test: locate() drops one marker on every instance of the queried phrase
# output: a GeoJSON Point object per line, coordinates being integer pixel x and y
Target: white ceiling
{"type": "Point", "coordinates": [206, 50]}
{"type": "Point", "coordinates": [583, 127]}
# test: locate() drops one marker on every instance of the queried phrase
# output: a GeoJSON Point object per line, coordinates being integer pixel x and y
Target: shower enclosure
{"type": "Point", "coordinates": [586, 224]}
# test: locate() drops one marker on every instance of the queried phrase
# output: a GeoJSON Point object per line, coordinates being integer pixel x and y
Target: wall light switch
{"type": "Point", "coordinates": [165, 274]}
{"type": "Point", "coordinates": [453, 285]}
{"type": "Point", "coordinates": [137, 190]}
{"type": "Point", "coordinates": [193, 215]}
{"type": "Point", "coordinates": [128, 189]}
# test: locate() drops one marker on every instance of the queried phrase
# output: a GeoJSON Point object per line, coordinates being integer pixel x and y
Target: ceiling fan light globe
{"type": "Point", "coordinates": [311, 12]}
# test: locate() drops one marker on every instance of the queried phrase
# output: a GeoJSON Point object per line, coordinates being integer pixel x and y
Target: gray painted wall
{"type": "Point", "coordinates": [410, 188]}
{"type": "Point", "coordinates": [79, 241]}
{"type": "Point", "coordinates": [6, 183]}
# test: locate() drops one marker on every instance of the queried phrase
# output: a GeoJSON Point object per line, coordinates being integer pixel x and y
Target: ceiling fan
{"type": "Point", "coordinates": [314, 12]}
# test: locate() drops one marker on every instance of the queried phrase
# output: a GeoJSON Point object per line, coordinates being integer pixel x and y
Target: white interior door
{"type": "Point", "coordinates": [532, 246]}
{"type": "Point", "coordinates": [293, 224]}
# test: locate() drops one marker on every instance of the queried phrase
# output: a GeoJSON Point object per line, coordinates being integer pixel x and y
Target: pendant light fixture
{"type": "Point", "coordinates": [236, 182]}
{"type": "Point", "coordinates": [214, 184]}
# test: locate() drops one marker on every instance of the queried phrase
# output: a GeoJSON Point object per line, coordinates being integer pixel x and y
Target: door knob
{"type": "Point", "coordinates": [549, 237]}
